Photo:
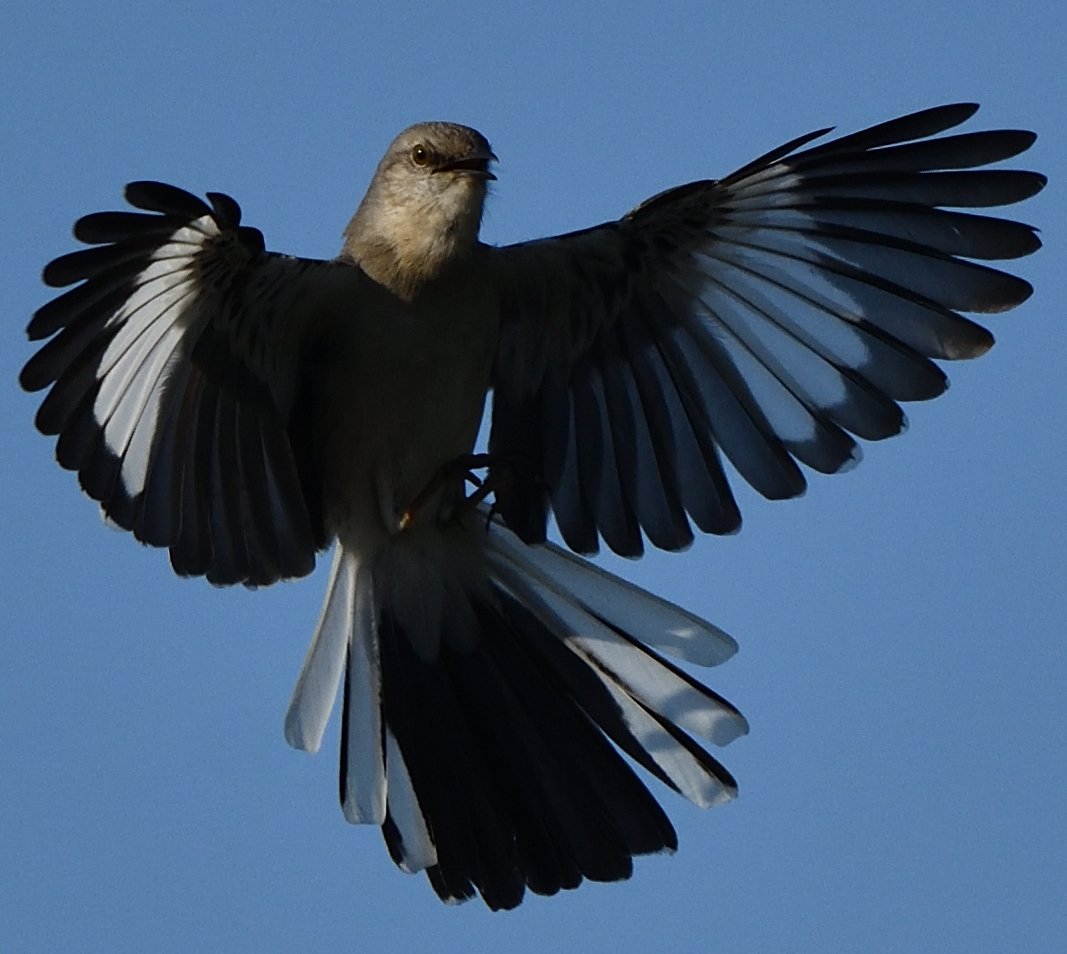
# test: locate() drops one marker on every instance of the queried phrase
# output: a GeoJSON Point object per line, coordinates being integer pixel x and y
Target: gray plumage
{"type": "Point", "coordinates": [244, 409]}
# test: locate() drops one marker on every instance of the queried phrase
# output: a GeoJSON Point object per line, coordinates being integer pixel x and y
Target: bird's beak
{"type": "Point", "coordinates": [476, 165]}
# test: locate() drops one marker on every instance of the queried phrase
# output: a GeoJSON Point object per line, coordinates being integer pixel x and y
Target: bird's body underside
{"type": "Point", "coordinates": [243, 409]}
{"type": "Point", "coordinates": [382, 438]}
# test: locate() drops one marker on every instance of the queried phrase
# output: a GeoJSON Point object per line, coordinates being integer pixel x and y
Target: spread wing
{"type": "Point", "coordinates": [174, 374]}
{"type": "Point", "coordinates": [768, 318]}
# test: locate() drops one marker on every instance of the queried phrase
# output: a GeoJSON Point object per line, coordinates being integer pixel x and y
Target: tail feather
{"type": "Point", "coordinates": [662, 625]}
{"type": "Point", "coordinates": [644, 675]}
{"type": "Point", "coordinates": [489, 690]}
{"type": "Point", "coordinates": [448, 769]}
{"type": "Point", "coordinates": [406, 835]}
{"type": "Point", "coordinates": [316, 686]}
{"type": "Point", "coordinates": [362, 773]}
{"type": "Point", "coordinates": [672, 757]}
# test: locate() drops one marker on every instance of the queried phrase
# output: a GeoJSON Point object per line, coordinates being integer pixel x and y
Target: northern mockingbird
{"type": "Point", "coordinates": [243, 408]}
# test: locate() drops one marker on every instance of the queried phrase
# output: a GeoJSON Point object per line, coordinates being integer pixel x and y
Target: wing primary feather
{"type": "Point", "coordinates": [961, 151]}
{"type": "Point", "coordinates": [917, 125]}
{"type": "Point", "coordinates": [166, 199]}
{"type": "Point", "coordinates": [599, 466]}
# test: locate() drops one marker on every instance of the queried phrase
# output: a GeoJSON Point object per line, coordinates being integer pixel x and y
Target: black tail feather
{"type": "Point", "coordinates": [518, 785]}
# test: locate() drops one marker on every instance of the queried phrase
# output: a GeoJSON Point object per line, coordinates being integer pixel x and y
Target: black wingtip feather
{"type": "Point", "coordinates": [252, 238]}
{"type": "Point", "coordinates": [168, 199]}
{"type": "Point", "coordinates": [98, 228]}
{"type": "Point", "coordinates": [917, 125]}
{"type": "Point", "coordinates": [62, 271]}
{"type": "Point", "coordinates": [227, 211]}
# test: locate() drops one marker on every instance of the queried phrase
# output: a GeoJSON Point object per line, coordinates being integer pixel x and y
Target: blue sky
{"type": "Point", "coordinates": [902, 650]}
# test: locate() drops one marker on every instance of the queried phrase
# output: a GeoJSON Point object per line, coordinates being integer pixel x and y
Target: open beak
{"type": "Point", "coordinates": [476, 165]}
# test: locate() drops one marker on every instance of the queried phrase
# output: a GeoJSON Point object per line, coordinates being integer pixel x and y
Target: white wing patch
{"type": "Point", "coordinates": [151, 325]}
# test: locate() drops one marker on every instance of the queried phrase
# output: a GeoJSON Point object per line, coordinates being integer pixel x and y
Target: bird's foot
{"type": "Point", "coordinates": [461, 468]}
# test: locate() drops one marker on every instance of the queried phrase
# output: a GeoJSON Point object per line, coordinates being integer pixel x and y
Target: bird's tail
{"type": "Point", "coordinates": [489, 690]}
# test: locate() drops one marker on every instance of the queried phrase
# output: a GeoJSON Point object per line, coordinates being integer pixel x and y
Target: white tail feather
{"type": "Point", "coordinates": [613, 657]}
{"type": "Point", "coordinates": [365, 786]}
{"type": "Point", "coordinates": [320, 676]}
{"type": "Point", "coordinates": [662, 625]}
{"type": "Point", "coordinates": [418, 847]}
{"type": "Point", "coordinates": [618, 662]}
{"type": "Point", "coordinates": [577, 602]}
{"type": "Point", "coordinates": [690, 777]}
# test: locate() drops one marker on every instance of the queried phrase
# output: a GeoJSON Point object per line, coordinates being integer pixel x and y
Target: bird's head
{"type": "Point", "coordinates": [424, 206]}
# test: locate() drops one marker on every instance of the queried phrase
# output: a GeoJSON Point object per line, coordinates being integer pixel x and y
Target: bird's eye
{"type": "Point", "coordinates": [420, 155]}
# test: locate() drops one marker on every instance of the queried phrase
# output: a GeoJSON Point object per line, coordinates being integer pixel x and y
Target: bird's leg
{"type": "Point", "coordinates": [460, 467]}
{"type": "Point", "coordinates": [502, 473]}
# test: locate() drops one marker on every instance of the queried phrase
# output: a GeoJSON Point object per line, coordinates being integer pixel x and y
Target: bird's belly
{"type": "Point", "coordinates": [393, 415]}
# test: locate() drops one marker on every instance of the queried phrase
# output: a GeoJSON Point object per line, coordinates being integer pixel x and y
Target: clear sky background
{"type": "Point", "coordinates": [902, 627]}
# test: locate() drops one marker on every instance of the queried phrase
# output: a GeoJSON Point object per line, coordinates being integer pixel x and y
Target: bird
{"type": "Point", "coordinates": [500, 694]}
